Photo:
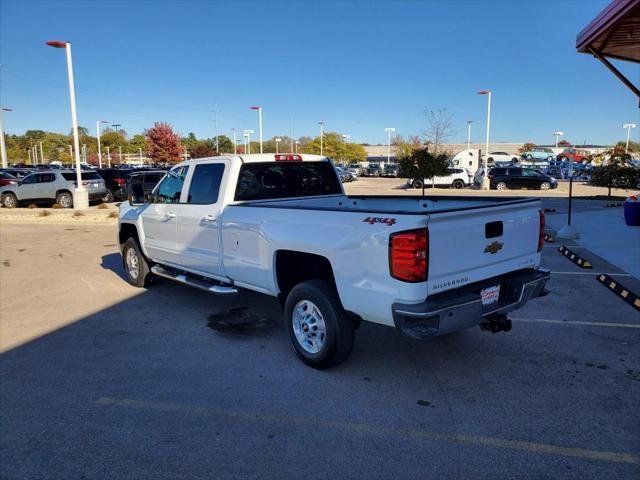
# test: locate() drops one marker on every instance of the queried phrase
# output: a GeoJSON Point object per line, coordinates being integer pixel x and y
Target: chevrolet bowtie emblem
{"type": "Point", "coordinates": [493, 248]}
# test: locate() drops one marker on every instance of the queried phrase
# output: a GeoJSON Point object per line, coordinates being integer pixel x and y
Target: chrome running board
{"type": "Point", "coordinates": [215, 289]}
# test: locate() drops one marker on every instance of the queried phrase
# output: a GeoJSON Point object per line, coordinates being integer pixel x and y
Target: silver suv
{"type": "Point", "coordinates": [51, 186]}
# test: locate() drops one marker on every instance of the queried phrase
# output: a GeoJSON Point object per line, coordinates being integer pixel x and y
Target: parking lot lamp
{"type": "Point", "coordinates": [80, 195]}
{"type": "Point", "coordinates": [469, 123]}
{"type": "Point", "coordinates": [259, 109]}
{"type": "Point", "coordinates": [277, 140]}
{"type": "Point", "coordinates": [485, 179]}
{"type": "Point", "coordinates": [321, 136]}
{"type": "Point", "coordinates": [3, 147]}
{"type": "Point", "coordinates": [389, 131]}
{"type": "Point", "coordinates": [558, 135]}
{"type": "Point", "coordinates": [99, 150]}
{"type": "Point", "coordinates": [628, 126]}
{"type": "Point", "coordinates": [297, 145]}
{"type": "Point", "coordinates": [235, 142]}
{"type": "Point", "coordinates": [247, 135]}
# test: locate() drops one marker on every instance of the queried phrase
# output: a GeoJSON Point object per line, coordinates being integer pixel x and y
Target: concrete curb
{"type": "Point", "coordinates": [574, 257]}
{"type": "Point", "coordinates": [616, 287]}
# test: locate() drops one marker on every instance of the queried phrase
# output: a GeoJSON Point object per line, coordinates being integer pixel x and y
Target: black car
{"type": "Point", "coordinates": [115, 180]}
{"type": "Point", "coordinates": [148, 178]}
{"type": "Point", "coordinates": [19, 173]}
{"type": "Point", "coordinates": [517, 177]}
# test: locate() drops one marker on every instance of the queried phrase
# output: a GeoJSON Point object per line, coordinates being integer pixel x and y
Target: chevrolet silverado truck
{"type": "Point", "coordinates": [282, 225]}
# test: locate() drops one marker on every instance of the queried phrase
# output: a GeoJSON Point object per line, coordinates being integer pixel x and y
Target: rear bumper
{"type": "Point", "coordinates": [462, 308]}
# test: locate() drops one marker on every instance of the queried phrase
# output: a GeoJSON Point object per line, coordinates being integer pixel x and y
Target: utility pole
{"type": "Point", "coordinates": [235, 142]}
{"type": "Point", "coordinates": [469, 123]}
{"type": "Point", "coordinates": [108, 157]}
{"type": "Point", "coordinates": [321, 136]}
{"type": "Point", "coordinates": [3, 147]}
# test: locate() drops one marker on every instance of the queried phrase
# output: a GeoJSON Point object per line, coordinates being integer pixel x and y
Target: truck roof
{"type": "Point", "coordinates": [260, 157]}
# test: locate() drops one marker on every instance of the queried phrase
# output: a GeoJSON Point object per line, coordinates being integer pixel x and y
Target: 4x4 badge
{"type": "Point", "coordinates": [493, 248]}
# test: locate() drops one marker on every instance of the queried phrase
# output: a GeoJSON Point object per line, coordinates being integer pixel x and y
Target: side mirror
{"type": "Point", "coordinates": [136, 194]}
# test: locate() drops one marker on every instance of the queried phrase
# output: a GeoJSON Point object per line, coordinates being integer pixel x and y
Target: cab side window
{"type": "Point", "coordinates": [170, 188]}
{"type": "Point", "coordinates": [205, 183]}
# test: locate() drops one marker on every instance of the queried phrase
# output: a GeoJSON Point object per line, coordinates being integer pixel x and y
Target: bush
{"type": "Point", "coordinates": [615, 175]}
{"type": "Point", "coordinates": [44, 213]}
{"type": "Point", "coordinates": [56, 205]}
{"type": "Point", "coordinates": [103, 206]}
{"type": "Point", "coordinates": [32, 205]}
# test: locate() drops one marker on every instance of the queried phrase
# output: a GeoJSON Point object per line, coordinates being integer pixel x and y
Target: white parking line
{"type": "Point", "coordinates": [593, 273]}
{"type": "Point", "coordinates": [578, 322]}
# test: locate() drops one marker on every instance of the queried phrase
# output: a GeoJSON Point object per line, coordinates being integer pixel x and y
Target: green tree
{"type": "Point", "coordinates": [334, 147]}
{"type": "Point", "coordinates": [136, 143]}
{"type": "Point", "coordinates": [422, 164]}
{"type": "Point", "coordinates": [633, 146]}
{"type": "Point", "coordinates": [617, 173]}
{"type": "Point", "coordinates": [439, 128]}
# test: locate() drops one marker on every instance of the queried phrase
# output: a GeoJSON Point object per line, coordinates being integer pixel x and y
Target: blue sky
{"type": "Point", "coordinates": [358, 66]}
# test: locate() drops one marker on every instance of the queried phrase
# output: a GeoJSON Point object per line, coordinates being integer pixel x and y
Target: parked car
{"type": "Point", "coordinates": [115, 180]}
{"type": "Point", "coordinates": [281, 225]}
{"type": "Point", "coordinates": [517, 177]}
{"type": "Point", "coordinates": [390, 170]}
{"type": "Point", "coordinates": [53, 186]}
{"type": "Point", "coordinates": [148, 178]}
{"type": "Point", "coordinates": [502, 157]}
{"type": "Point", "coordinates": [539, 153]}
{"type": "Point", "coordinates": [457, 178]}
{"type": "Point", "coordinates": [18, 172]}
{"type": "Point", "coordinates": [7, 179]}
{"type": "Point", "coordinates": [345, 176]}
{"type": "Point", "coordinates": [373, 170]}
{"type": "Point", "coordinates": [354, 170]}
{"type": "Point", "coordinates": [574, 155]}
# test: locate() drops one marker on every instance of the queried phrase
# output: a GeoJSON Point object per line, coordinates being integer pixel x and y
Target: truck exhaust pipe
{"type": "Point", "coordinates": [497, 322]}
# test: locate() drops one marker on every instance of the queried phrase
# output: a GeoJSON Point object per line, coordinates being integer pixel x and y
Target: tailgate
{"type": "Point", "coordinates": [467, 246]}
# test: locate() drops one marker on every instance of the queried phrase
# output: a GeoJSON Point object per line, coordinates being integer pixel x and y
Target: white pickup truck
{"type": "Point", "coordinates": [283, 226]}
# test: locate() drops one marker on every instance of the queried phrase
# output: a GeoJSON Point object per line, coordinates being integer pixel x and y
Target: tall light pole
{"type": "Point", "coordinates": [321, 137]}
{"type": "Point", "coordinates": [557, 135]}
{"type": "Point", "coordinates": [291, 134]}
{"type": "Point", "coordinates": [29, 152]}
{"type": "Point", "coordinates": [98, 122]}
{"type": "Point", "coordinates": [259, 109]}
{"type": "Point", "coordinates": [469, 123]}
{"type": "Point", "coordinates": [297, 145]}
{"type": "Point", "coordinates": [108, 157]}
{"type": "Point", "coordinates": [3, 147]}
{"type": "Point", "coordinates": [41, 153]}
{"type": "Point", "coordinates": [235, 142]}
{"type": "Point", "coordinates": [80, 196]}
{"type": "Point", "coordinates": [247, 135]}
{"type": "Point", "coordinates": [485, 179]}
{"type": "Point", "coordinates": [140, 154]}
{"type": "Point", "coordinates": [277, 140]}
{"type": "Point", "coordinates": [215, 128]}
{"type": "Point", "coordinates": [389, 131]}
{"type": "Point", "coordinates": [628, 126]}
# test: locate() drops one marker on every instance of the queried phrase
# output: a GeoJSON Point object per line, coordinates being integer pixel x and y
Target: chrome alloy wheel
{"type": "Point", "coordinates": [133, 265]}
{"type": "Point", "coordinates": [308, 326]}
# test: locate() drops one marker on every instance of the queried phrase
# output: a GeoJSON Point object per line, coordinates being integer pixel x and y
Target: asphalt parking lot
{"type": "Point", "coordinates": [102, 380]}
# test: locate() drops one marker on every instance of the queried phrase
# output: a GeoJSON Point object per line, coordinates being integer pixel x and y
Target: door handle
{"type": "Point", "coordinates": [169, 215]}
{"type": "Point", "coordinates": [210, 219]}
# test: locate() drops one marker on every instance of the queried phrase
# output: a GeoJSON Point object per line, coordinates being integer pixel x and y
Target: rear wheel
{"type": "Point", "coordinates": [9, 200]}
{"type": "Point", "coordinates": [458, 184]}
{"type": "Point", "coordinates": [108, 197]}
{"type": "Point", "coordinates": [65, 200]}
{"type": "Point", "coordinates": [545, 186]}
{"type": "Point", "coordinates": [321, 332]}
{"type": "Point", "coordinates": [135, 265]}
{"type": "Point", "coordinates": [416, 184]}
{"type": "Point", "coordinates": [529, 157]}
{"type": "Point", "coordinates": [501, 186]}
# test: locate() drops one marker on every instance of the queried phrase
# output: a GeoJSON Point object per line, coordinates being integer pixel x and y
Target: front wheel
{"type": "Point", "coordinates": [9, 200]}
{"type": "Point", "coordinates": [416, 184]}
{"type": "Point", "coordinates": [545, 186]}
{"type": "Point", "coordinates": [457, 184]}
{"type": "Point", "coordinates": [107, 197]}
{"type": "Point", "coordinates": [321, 332]}
{"type": "Point", "coordinates": [135, 265]}
{"type": "Point", "coordinates": [501, 186]}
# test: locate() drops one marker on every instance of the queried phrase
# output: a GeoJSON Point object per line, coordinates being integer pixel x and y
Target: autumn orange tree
{"type": "Point", "coordinates": [163, 144]}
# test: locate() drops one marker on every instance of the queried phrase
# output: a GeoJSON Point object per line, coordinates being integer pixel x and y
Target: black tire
{"type": "Point", "coordinates": [65, 200]}
{"type": "Point", "coordinates": [338, 338]}
{"type": "Point", "coordinates": [490, 160]}
{"type": "Point", "coordinates": [143, 276]}
{"type": "Point", "coordinates": [416, 184]}
{"type": "Point", "coordinates": [108, 197]}
{"type": "Point", "coordinates": [457, 184]}
{"type": "Point", "coordinates": [9, 200]}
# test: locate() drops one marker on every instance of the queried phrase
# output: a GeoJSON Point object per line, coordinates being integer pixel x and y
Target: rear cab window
{"type": "Point", "coordinates": [271, 180]}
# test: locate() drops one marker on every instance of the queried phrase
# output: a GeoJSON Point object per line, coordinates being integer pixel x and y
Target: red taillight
{"type": "Point", "coordinates": [541, 232]}
{"type": "Point", "coordinates": [120, 181]}
{"type": "Point", "coordinates": [288, 158]}
{"type": "Point", "coordinates": [409, 255]}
